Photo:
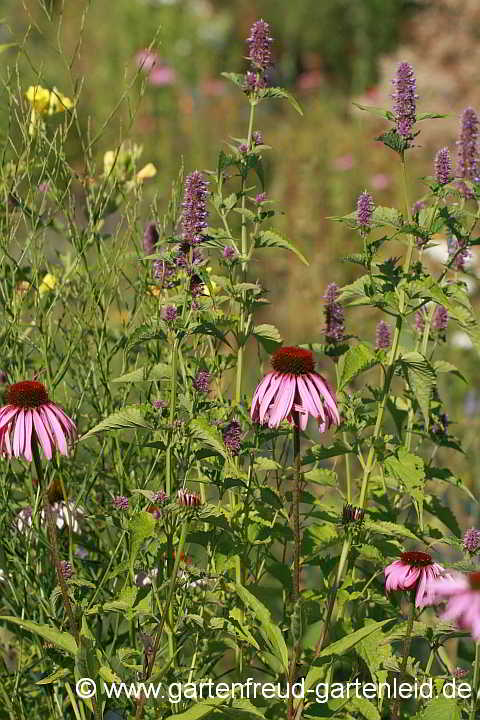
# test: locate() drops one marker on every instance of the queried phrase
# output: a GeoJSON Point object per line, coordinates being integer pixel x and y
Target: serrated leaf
{"type": "Point", "coordinates": [199, 710]}
{"type": "Point", "coordinates": [63, 640]}
{"type": "Point", "coordinates": [393, 140]}
{"type": "Point", "coordinates": [388, 529]}
{"type": "Point", "coordinates": [442, 366]}
{"type": "Point", "coordinates": [322, 476]}
{"type": "Point", "coordinates": [268, 336]}
{"type": "Point", "coordinates": [143, 334]}
{"type": "Point", "coordinates": [278, 92]}
{"type": "Point", "coordinates": [386, 216]}
{"type": "Point", "coordinates": [141, 527]}
{"type": "Point", "coordinates": [271, 632]}
{"type": "Point", "coordinates": [129, 417]}
{"type": "Point", "coordinates": [146, 374]}
{"type": "Point", "coordinates": [409, 469]}
{"type": "Point", "coordinates": [53, 677]}
{"type": "Point", "coordinates": [356, 360]}
{"type": "Point", "coordinates": [321, 452]}
{"type": "Point", "coordinates": [271, 238]}
{"type": "Point", "coordinates": [365, 707]}
{"type": "Point", "coordinates": [208, 435]}
{"type": "Point", "coordinates": [422, 379]}
{"type": "Point", "coordinates": [236, 78]}
{"type": "Point", "coordinates": [266, 464]}
{"type": "Point", "coordinates": [440, 708]}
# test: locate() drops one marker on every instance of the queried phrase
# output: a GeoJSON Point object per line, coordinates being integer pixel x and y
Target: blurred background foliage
{"type": "Point", "coordinates": [329, 53]}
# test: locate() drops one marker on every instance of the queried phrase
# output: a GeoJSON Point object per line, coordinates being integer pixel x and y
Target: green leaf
{"type": "Point", "coordinates": [278, 92]}
{"type": "Point", "coordinates": [199, 710]}
{"type": "Point", "coordinates": [440, 708]}
{"type": "Point", "coordinates": [430, 116]}
{"type": "Point", "coordinates": [356, 360]}
{"type": "Point", "coordinates": [355, 293]}
{"type": "Point", "coordinates": [422, 379]}
{"type": "Point", "coordinates": [144, 334]}
{"type": "Point", "coordinates": [266, 464]}
{"type": "Point", "coordinates": [146, 374]}
{"type": "Point", "coordinates": [129, 417]}
{"type": "Point", "coordinates": [141, 527]}
{"type": "Point", "coordinates": [63, 640]}
{"type": "Point", "coordinates": [57, 675]}
{"type": "Point", "coordinates": [409, 469]}
{"type": "Point", "coordinates": [271, 238]}
{"type": "Point", "coordinates": [321, 452]}
{"type": "Point", "coordinates": [393, 140]}
{"type": "Point", "coordinates": [268, 336]}
{"type": "Point", "coordinates": [208, 435]}
{"type": "Point", "coordinates": [322, 476]}
{"type": "Point", "coordinates": [389, 529]}
{"type": "Point", "coordinates": [386, 216]}
{"type": "Point", "coordinates": [365, 707]}
{"type": "Point", "coordinates": [236, 78]}
{"type": "Point", "coordinates": [349, 641]}
{"type": "Point", "coordinates": [7, 46]}
{"type": "Point", "coordinates": [271, 632]}
{"type": "Point", "coordinates": [442, 366]}
{"type": "Point", "coordinates": [378, 111]}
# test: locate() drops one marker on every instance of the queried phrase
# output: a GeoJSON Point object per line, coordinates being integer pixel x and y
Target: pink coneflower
{"type": "Point", "coordinates": [462, 595]}
{"type": "Point", "coordinates": [294, 387]}
{"type": "Point", "coordinates": [28, 411]}
{"type": "Point", "coordinates": [414, 571]}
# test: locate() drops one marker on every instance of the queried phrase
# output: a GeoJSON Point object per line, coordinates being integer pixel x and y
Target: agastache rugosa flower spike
{"type": "Point", "coordinates": [443, 166]}
{"type": "Point", "coordinates": [467, 148]}
{"type": "Point", "coordinates": [232, 436]}
{"type": "Point", "coordinates": [405, 99]}
{"type": "Point", "coordinates": [440, 319]}
{"type": "Point", "coordinates": [195, 213]}
{"type": "Point", "coordinates": [383, 336]}
{"type": "Point", "coordinates": [365, 209]}
{"type": "Point", "coordinates": [334, 315]}
{"type": "Point", "coordinates": [471, 540]}
{"type": "Point", "coordinates": [260, 45]}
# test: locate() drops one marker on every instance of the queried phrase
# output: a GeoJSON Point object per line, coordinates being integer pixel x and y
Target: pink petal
{"type": "Point", "coordinates": [66, 422]}
{"type": "Point", "coordinates": [19, 434]}
{"type": "Point", "coordinates": [51, 419]}
{"type": "Point", "coordinates": [283, 401]}
{"type": "Point", "coordinates": [327, 395]}
{"type": "Point", "coordinates": [315, 400]}
{"type": "Point", "coordinates": [43, 434]}
{"type": "Point", "coordinates": [6, 414]}
{"type": "Point", "coordinates": [28, 435]}
{"type": "Point", "coordinates": [266, 401]}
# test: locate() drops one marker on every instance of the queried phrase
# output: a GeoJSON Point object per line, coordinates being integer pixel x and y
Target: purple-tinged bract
{"type": "Point", "coordinates": [405, 99]}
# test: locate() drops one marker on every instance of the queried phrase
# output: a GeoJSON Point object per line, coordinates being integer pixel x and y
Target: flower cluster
{"type": "Point", "coordinates": [334, 315]}
{"type": "Point", "coordinates": [202, 381]}
{"type": "Point", "coordinates": [232, 436]}
{"type": "Point", "coordinates": [189, 499]}
{"type": "Point", "coordinates": [467, 148]}
{"type": "Point", "coordinates": [383, 336]}
{"type": "Point", "coordinates": [405, 99]}
{"type": "Point", "coordinates": [260, 45]}
{"type": "Point", "coordinates": [365, 209]}
{"type": "Point", "coordinates": [443, 166]}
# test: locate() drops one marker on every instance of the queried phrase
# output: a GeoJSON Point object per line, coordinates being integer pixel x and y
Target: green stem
{"type": "Point", "coordinates": [476, 669]}
{"type": "Point", "coordinates": [297, 534]}
{"type": "Point", "coordinates": [52, 531]}
{"type": "Point", "coordinates": [347, 543]}
{"type": "Point", "coordinates": [173, 407]}
{"type": "Point", "coordinates": [406, 650]}
{"type": "Point", "coordinates": [240, 351]}
{"type": "Point", "coordinates": [159, 631]}
{"type": "Point", "coordinates": [348, 470]}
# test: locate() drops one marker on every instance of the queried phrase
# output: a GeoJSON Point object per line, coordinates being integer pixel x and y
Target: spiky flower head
{"type": "Point", "coordinates": [30, 416]}
{"type": "Point", "coordinates": [257, 137]}
{"type": "Point", "coordinates": [260, 198]}
{"type": "Point", "coordinates": [260, 46]}
{"type": "Point", "coordinates": [195, 213]}
{"type": "Point", "coordinates": [66, 569]}
{"type": "Point", "coordinates": [170, 313]}
{"type": "Point", "coordinates": [254, 81]}
{"type": "Point", "coordinates": [443, 166]}
{"type": "Point", "coordinates": [467, 147]}
{"type": "Point", "coordinates": [150, 238]}
{"type": "Point", "coordinates": [120, 502]}
{"type": "Point", "coordinates": [405, 99]}
{"type": "Point", "coordinates": [334, 315]}
{"type": "Point", "coordinates": [440, 319]}
{"type": "Point", "coordinates": [232, 436]}
{"type": "Point", "coordinates": [352, 514]}
{"type": "Point", "coordinates": [383, 336]}
{"type": "Point", "coordinates": [365, 209]}
{"type": "Point", "coordinates": [471, 540]}
{"type": "Point", "coordinates": [202, 380]}
{"type": "Point", "coordinates": [229, 252]}
{"type": "Point", "coordinates": [160, 496]}
{"type": "Point", "coordinates": [186, 498]}
{"type": "Point", "coordinates": [293, 391]}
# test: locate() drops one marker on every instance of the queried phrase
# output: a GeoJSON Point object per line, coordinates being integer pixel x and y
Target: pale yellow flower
{"type": "Point", "coordinates": [146, 172]}
{"type": "Point", "coordinates": [48, 283]}
{"type": "Point", "coordinates": [38, 97]}
{"type": "Point", "coordinates": [58, 102]}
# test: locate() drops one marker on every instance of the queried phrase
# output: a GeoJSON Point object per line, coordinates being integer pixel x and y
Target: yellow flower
{"type": "Point", "coordinates": [38, 97]}
{"type": "Point", "coordinates": [154, 290]}
{"type": "Point", "coordinates": [58, 102]}
{"type": "Point", "coordinates": [48, 283]}
{"type": "Point", "coordinates": [146, 172]}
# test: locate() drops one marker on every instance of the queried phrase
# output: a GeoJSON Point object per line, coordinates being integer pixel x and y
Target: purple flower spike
{"type": "Point", "coordinates": [202, 381]}
{"type": "Point", "coordinates": [195, 212]}
{"type": "Point", "coordinates": [405, 99]}
{"type": "Point", "coordinates": [232, 436]}
{"type": "Point", "coordinates": [260, 45]}
{"type": "Point", "coordinates": [170, 313]}
{"type": "Point", "coordinates": [459, 251]}
{"type": "Point", "coordinates": [383, 336]}
{"type": "Point", "coordinates": [334, 315]}
{"type": "Point", "coordinates": [440, 319]}
{"type": "Point", "coordinates": [471, 540]}
{"type": "Point", "coordinates": [229, 252]}
{"type": "Point", "coordinates": [120, 502]}
{"type": "Point", "coordinates": [365, 209]}
{"type": "Point", "coordinates": [467, 149]}
{"type": "Point", "coordinates": [443, 166]}
{"type": "Point", "coordinates": [66, 569]}
{"type": "Point", "coordinates": [257, 137]}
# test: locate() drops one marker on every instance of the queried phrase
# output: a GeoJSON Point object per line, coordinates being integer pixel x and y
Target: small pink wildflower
{"type": "Point", "coordinates": [462, 595]}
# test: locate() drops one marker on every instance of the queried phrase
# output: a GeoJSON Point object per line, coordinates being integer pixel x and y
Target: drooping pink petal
{"type": "Point", "coordinates": [28, 435]}
{"type": "Point", "coordinates": [43, 434]}
{"type": "Point", "coordinates": [327, 395]}
{"type": "Point", "coordinates": [51, 419]}
{"type": "Point", "coordinates": [66, 422]}
{"type": "Point", "coordinates": [311, 391]}
{"type": "Point", "coordinates": [19, 434]}
{"type": "Point", "coordinates": [283, 401]}
{"type": "Point", "coordinates": [265, 409]}
{"type": "Point", "coordinates": [6, 414]}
